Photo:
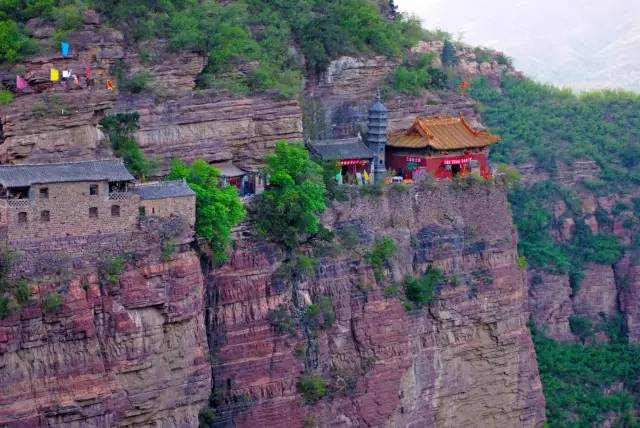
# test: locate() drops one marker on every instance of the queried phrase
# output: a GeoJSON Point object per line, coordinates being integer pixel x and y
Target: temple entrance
{"type": "Point", "coordinates": [455, 170]}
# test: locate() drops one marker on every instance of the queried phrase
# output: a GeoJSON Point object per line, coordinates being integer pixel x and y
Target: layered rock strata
{"type": "Point", "coordinates": [121, 350]}
{"type": "Point", "coordinates": [465, 360]}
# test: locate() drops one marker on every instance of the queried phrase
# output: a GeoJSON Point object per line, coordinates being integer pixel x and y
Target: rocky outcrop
{"type": "Point", "coordinates": [466, 358]}
{"type": "Point", "coordinates": [550, 304]}
{"type": "Point", "coordinates": [116, 352]}
{"type": "Point", "coordinates": [205, 126]}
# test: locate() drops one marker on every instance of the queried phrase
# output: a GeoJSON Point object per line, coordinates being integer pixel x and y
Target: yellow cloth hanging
{"type": "Point", "coordinates": [55, 74]}
{"type": "Point", "coordinates": [366, 175]}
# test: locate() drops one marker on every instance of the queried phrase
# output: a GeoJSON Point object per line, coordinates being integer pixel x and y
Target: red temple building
{"type": "Point", "coordinates": [442, 146]}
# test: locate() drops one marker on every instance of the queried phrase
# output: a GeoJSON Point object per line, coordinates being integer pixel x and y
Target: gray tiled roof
{"type": "Point", "coordinates": [228, 169]}
{"type": "Point", "coordinates": [94, 170]}
{"type": "Point", "coordinates": [163, 189]}
{"type": "Point", "coordinates": [349, 148]}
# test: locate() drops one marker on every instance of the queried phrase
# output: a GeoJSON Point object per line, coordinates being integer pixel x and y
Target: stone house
{"type": "Point", "coordinates": [41, 201]}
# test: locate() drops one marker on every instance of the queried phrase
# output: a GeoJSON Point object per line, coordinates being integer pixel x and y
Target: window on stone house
{"type": "Point", "coordinates": [142, 211]}
{"type": "Point", "coordinates": [44, 193]}
{"type": "Point", "coordinates": [93, 189]}
{"type": "Point", "coordinates": [115, 210]}
{"type": "Point", "coordinates": [22, 217]}
{"type": "Point", "coordinates": [45, 215]}
{"type": "Point", "coordinates": [93, 212]}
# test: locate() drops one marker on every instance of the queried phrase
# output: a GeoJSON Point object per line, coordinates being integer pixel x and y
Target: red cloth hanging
{"type": "Point", "coordinates": [87, 72]}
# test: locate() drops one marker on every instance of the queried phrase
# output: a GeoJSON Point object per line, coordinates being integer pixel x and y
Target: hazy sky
{"type": "Point", "coordinates": [583, 44]}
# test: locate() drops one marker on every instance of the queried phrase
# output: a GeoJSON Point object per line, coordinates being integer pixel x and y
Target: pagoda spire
{"type": "Point", "coordinates": [377, 135]}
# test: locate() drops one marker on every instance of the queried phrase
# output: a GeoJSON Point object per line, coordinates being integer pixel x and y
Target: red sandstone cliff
{"type": "Point", "coordinates": [467, 360]}
{"type": "Point", "coordinates": [128, 352]}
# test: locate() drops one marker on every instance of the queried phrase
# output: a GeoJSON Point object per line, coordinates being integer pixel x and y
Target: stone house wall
{"type": "Point", "coordinates": [184, 206]}
{"type": "Point", "coordinates": [68, 205]}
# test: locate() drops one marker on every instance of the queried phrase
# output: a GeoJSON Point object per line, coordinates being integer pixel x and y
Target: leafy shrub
{"type": "Point", "coordinates": [119, 129]}
{"type": "Point", "coordinates": [603, 249]}
{"type": "Point", "coordinates": [14, 44]}
{"type": "Point", "coordinates": [381, 254]}
{"type": "Point", "coordinates": [137, 83]}
{"type": "Point", "coordinates": [312, 387]}
{"type": "Point", "coordinates": [51, 302]}
{"type": "Point", "coordinates": [7, 306]}
{"type": "Point", "coordinates": [112, 268]}
{"type": "Point", "coordinates": [218, 209]}
{"type": "Point", "coordinates": [321, 314]}
{"type": "Point", "coordinates": [6, 97]}
{"type": "Point", "coordinates": [482, 55]}
{"type": "Point", "coordinates": [22, 291]}
{"type": "Point", "coordinates": [206, 417]}
{"type": "Point", "coordinates": [348, 237]}
{"type": "Point", "coordinates": [281, 320]}
{"type": "Point", "coordinates": [423, 290]}
{"type": "Point", "coordinates": [522, 262]}
{"type": "Point", "coordinates": [391, 290]}
{"type": "Point", "coordinates": [417, 74]}
{"type": "Point", "coordinates": [168, 250]}
{"type": "Point", "coordinates": [581, 326]}
{"type": "Point", "coordinates": [287, 212]}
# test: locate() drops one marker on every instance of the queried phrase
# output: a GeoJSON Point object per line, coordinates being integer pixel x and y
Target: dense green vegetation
{"type": "Point", "coordinates": [544, 124]}
{"type": "Point", "coordinates": [287, 212]}
{"type": "Point", "coordinates": [218, 209]}
{"type": "Point", "coordinates": [381, 254]}
{"type": "Point", "coordinates": [312, 387]}
{"type": "Point", "coordinates": [423, 289]}
{"type": "Point", "coordinates": [418, 73]}
{"type": "Point", "coordinates": [584, 384]}
{"type": "Point", "coordinates": [588, 382]}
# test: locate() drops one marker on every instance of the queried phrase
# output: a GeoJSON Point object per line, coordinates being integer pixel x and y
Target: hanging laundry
{"type": "Point", "coordinates": [66, 74]}
{"type": "Point", "coordinates": [55, 74]}
{"type": "Point", "coordinates": [110, 85]}
{"type": "Point", "coordinates": [21, 83]}
{"type": "Point", "coordinates": [64, 48]}
{"type": "Point", "coordinates": [366, 176]}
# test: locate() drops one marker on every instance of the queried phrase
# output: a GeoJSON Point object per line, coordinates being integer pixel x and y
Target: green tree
{"type": "Point", "coordinates": [287, 212]}
{"type": "Point", "coordinates": [218, 209]}
{"type": "Point", "coordinates": [119, 129]}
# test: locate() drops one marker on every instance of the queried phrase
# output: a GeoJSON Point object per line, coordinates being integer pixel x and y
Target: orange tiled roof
{"type": "Point", "coordinates": [442, 133]}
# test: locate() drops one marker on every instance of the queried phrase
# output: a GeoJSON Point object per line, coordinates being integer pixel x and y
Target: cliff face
{"type": "Point", "coordinates": [53, 121]}
{"type": "Point", "coordinates": [120, 352]}
{"type": "Point", "coordinates": [466, 358]}
{"type": "Point", "coordinates": [606, 291]}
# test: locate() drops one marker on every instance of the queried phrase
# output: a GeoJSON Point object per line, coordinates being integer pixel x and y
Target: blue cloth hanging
{"type": "Point", "coordinates": [64, 48]}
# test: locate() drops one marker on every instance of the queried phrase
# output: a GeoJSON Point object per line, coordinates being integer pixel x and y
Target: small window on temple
{"type": "Point", "coordinates": [22, 217]}
{"type": "Point", "coordinates": [45, 215]}
{"type": "Point", "coordinates": [115, 210]}
{"type": "Point", "coordinates": [93, 190]}
{"type": "Point", "coordinates": [142, 211]}
{"type": "Point", "coordinates": [44, 193]}
{"type": "Point", "coordinates": [93, 212]}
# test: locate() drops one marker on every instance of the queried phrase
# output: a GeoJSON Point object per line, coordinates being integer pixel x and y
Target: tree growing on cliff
{"type": "Point", "coordinates": [287, 212]}
{"type": "Point", "coordinates": [218, 209]}
{"type": "Point", "coordinates": [119, 129]}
